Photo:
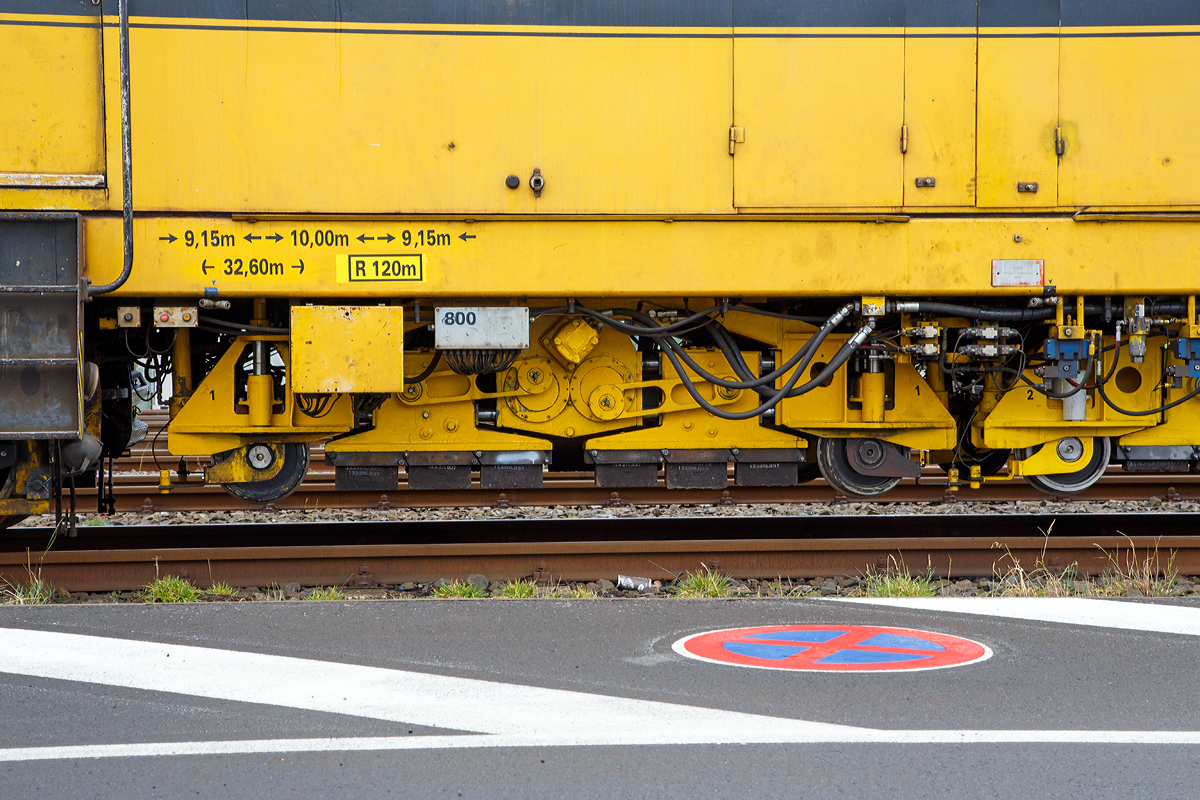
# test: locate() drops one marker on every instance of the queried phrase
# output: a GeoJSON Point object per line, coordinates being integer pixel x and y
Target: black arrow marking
{"type": "Point", "coordinates": [250, 238]}
{"type": "Point", "coordinates": [465, 236]}
{"type": "Point", "coordinates": [299, 266]}
{"type": "Point", "coordinates": [170, 237]}
{"type": "Point", "coordinates": [204, 265]}
{"type": "Point", "coordinates": [276, 237]}
{"type": "Point", "coordinates": [362, 237]}
{"type": "Point", "coordinates": [389, 238]}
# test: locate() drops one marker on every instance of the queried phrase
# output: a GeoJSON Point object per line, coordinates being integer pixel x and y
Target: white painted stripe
{"type": "Point", "coordinates": [468, 741]}
{"type": "Point", "coordinates": [439, 701]}
{"type": "Point", "coordinates": [1156, 617]}
{"type": "Point", "coordinates": [506, 715]}
{"type": "Point", "coordinates": [33, 180]}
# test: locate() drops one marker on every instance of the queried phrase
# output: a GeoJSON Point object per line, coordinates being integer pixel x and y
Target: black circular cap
{"type": "Point", "coordinates": [512, 181]}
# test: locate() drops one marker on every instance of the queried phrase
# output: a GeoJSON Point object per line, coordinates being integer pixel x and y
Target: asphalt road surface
{"type": "Point", "coordinates": [578, 699]}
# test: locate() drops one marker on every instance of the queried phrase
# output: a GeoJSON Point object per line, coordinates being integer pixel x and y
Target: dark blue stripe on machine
{"type": "Point", "coordinates": [1112, 13]}
{"type": "Point", "coordinates": [833, 14]}
{"type": "Point", "coordinates": [940, 13]}
{"type": "Point", "coordinates": [1018, 13]}
{"type": "Point", "coordinates": [568, 13]}
{"type": "Point", "coordinates": [818, 14]}
{"type": "Point", "coordinates": [74, 8]}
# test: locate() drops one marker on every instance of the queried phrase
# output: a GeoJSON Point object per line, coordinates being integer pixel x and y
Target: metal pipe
{"type": "Point", "coordinates": [181, 369]}
{"type": "Point", "coordinates": [126, 160]}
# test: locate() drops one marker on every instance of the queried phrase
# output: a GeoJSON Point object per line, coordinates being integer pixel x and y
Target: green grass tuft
{"type": "Point", "coordinates": [37, 591]}
{"type": "Point", "coordinates": [458, 589]}
{"type": "Point", "coordinates": [704, 583]}
{"type": "Point", "coordinates": [326, 593]}
{"type": "Point", "coordinates": [222, 589]}
{"type": "Point", "coordinates": [896, 581]}
{"type": "Point", "coordinates": [171, 589]}
{"type": "Point", "coordinates": [522, 589]}
{"type": "Point", "coordinates": [579, 592]}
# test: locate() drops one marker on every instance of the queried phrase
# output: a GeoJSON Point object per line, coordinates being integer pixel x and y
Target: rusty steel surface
{"type": "Point", "coordinates": [562, 549]}
{"type": "Point", "coordinates": [140, 493]}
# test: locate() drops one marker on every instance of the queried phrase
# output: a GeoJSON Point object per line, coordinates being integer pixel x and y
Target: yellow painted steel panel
{"type": "Point", "coordinates": [1130, 110]}
{"type": "Point", "coordinates": [939, 111]}
{"type": "Point", "coordinates": [715, 258]}
{"type": "Point", "coordinates": [401, 122]}
{"type": "Point", "coordinates": [822, 121]}
{"type": "Point", "coordinates": [51, 105]}
{"type": "Point", "coordinates": [347, 349]}
{"type": "Point", "coordinates": [1018, 112]}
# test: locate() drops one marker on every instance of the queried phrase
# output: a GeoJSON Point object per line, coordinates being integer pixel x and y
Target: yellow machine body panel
{"type": "Point", "coordinates": [1129, 119]}
{"type": "Point", "coordinates": [821, 119]}
{"type": "Point", "coordinates": [622, 258]}
{"type": "Point", "coordinates": [939, 117]}
{"type": "Point", "coordinates": [1018, 114]}
{"type": "Point", "coordinates": [51, 100]}
{"type": "Point", "coordinates": [383, 118]}
{"type": "Point", "coordinates": [347, 349]}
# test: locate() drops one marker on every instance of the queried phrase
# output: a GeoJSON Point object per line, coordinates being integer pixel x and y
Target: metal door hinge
{"type": "Point", "coordinates": [903, 138]}
{"type": "Point", "coordinates": [737, 135]}
{"type": "Point", "coordinates": [1060, 144]}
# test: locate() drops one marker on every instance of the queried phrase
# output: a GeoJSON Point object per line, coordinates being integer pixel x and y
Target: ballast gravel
{"type": "Point", "coordinates": [1152, 505]}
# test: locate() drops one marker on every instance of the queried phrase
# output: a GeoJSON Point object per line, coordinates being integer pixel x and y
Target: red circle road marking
{"type": "Point", "coordinates": [832, 648]}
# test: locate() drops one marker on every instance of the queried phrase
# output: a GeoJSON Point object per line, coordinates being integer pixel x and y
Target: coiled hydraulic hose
{"type": "Point", "coordinates": [750, 381]}
{"type": "Point", "coordinates": [789, 389]}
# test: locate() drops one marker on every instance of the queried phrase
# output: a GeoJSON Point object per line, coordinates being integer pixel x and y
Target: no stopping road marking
{"type": "Point", "coordinates": [833, 648]}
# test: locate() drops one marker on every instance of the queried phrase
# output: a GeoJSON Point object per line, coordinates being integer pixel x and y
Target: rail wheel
{"type": "Point", "coordinates": [295, 467]}
{"type": "Point", "coordinates": [835, 467]}
{"type": "Point", "coordinates": [1071, 482]}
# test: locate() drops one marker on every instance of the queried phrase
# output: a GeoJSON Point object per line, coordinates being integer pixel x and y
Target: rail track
{"type": "Point", "coordinates": [389, 553]}
{"type": "Point", "coordinates": [136, 488]}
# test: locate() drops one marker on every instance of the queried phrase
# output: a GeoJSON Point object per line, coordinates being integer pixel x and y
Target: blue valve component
{"type": "Point", "coordinates": [1187, 351]}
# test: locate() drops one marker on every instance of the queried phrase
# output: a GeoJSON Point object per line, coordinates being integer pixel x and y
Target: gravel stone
{"type": "Point", "coordinates": [479, 582]}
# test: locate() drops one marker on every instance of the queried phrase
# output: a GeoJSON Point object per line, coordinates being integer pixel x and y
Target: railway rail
{"type": "Point", "coordinates": [389, 553]}
{"type": "Point", "coordinates": [136, 488]}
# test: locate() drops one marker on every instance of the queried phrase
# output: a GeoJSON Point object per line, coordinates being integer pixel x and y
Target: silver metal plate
{"type": "Point", "coordinates": [481, 327]}
{"type": "Point", "coordinates": [1018, 272]}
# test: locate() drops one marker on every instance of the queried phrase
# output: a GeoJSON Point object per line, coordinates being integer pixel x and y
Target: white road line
{"type": "Point", "coordinates": [1156, 617]}
{"type": "Point", "coordinates": [494, 714]}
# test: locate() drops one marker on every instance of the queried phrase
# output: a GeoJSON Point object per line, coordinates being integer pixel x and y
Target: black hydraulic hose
{"type": "Point", "coordinates": [991, 314]}
{"type": "Point", "coordinates": [652, 330]}
{"type": "Point", "coordinates": [429, 371]}
{"type": "Point", "coordinates": [126, 160]}
{"type": "Point", "coordinates": [840, 358]}
{"type": "Point", "coordinates": [1195, 391]}
{"type": "Point", "coordinates": [752, 383]}
{"type": "Point", "coordinates": [237, 327]}
{"type": "Point", "coordinates": [425, 373]}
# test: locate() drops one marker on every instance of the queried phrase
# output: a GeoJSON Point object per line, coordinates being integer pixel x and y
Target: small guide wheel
{"type": "Point", "coordinates": [835, 467]}
{"type": "Point", "coordinates": [1071, 482]}
{"type": "Point", "coordinates": [295, 467]}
